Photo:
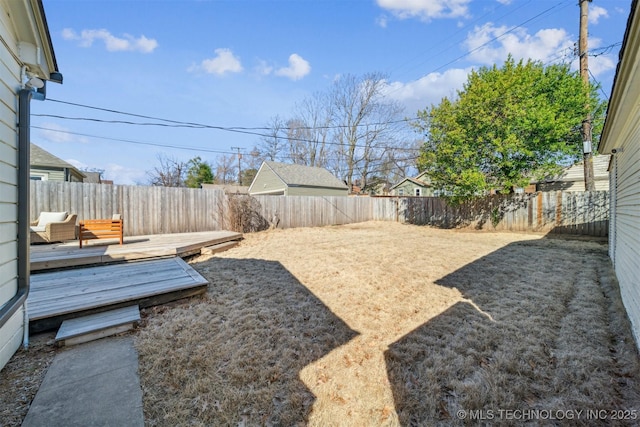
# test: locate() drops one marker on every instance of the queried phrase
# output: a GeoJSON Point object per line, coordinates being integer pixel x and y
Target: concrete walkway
{"type": "Point", "coordinates": [92, 384]}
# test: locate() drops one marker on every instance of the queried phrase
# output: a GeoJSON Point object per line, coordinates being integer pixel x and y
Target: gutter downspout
{"type": "Point", "coordinates": [24, 196]}
{"type": "Point", "coordinates": [24, 236]}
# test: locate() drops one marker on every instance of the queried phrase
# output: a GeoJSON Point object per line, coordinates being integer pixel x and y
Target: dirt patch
{"type": "Point", "coordinates": [21, 377]}
{"type": "Point", "coordinates": [388, 324]}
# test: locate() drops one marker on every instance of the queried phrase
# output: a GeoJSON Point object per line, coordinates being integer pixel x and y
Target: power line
{"type": "Point", "coordinates": [544, 12]}
{"type": "Point", "coordinates": [431, 55]}
{"type": "Point", "coordinates": [130, 141]}
{"type": "Point", "coordinates": [241, 130]}
{"type": "Point", "coordinates": [178, 123]}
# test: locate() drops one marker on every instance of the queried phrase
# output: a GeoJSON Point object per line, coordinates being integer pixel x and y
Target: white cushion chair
{"type": "Point", "coordinates": [53, 227]}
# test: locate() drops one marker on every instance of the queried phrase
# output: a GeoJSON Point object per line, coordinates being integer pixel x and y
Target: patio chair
{"type": "Point", "coordinates": [53, 227]}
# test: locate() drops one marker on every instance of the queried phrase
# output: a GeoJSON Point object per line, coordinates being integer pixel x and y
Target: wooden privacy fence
{"type": "Point", "coordinates": [157, 210]}
{"type": "Point", "coordinates": [585, 213]}
{"type": "Point", "coordinates": [145, 210]}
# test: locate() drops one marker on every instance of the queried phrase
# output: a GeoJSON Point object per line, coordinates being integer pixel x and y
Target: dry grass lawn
{"type": "Point", "coordinates": [388, 324]}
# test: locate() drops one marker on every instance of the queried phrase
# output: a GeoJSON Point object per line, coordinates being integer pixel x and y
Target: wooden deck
{"type": "Point", "coordinates": [145, 271]}
{"type": "Point", "coordinates": [59, 295]}
{"type": "Point", "coordinates": [69, 254]}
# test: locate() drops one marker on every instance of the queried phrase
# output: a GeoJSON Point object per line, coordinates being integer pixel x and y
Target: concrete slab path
{"type": "Point", "coordinates": [92, 384]}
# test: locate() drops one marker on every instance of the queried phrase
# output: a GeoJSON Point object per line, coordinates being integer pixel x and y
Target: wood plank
{"type": "Point", "coordinates": [51, 300]}
{"type": "Point", "coordinates": [45, 301]}
{"type": "Point", "coordinates": [220, 247]}
{"type": "Point", "coordinates": [44, 257]}
{"type": "Point", "coordinates": [57, 288]}
{"type": "Point", "coordinates": [96, 335]}
{"type": "Point", "coordinates": [97, 322]}
{"type": "Point", "coordinates": [82, 276]}
{"type": "Point", "coordinates": [83, 302]}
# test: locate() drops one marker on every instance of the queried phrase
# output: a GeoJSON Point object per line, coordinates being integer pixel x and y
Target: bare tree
{"type": "Point", "coordinates": [169, 173]}
{"type": "Point", "coordinates": [365, 123]}
{"type": "Point", "coordinates": [351, 129]}
{"type": "Point", "coordinates": [226, 169]}
{"type": "Point", "coordinates": [310, 130]}
{"type": "Point", "coordinates": [271, 147]}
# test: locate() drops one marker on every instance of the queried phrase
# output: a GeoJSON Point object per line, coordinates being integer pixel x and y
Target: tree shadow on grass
{"type": "Point", "coordinates": [235, 357]}
{"type": "Point", "coordinates": [541, 328]}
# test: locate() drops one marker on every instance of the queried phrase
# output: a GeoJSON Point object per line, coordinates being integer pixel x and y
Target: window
{"type": "Point", "coordinates": [36, 176]}
{"type": "Point", "coordinates": [417, 192]}
{"type": "Point", "coordinates": [400, 191]}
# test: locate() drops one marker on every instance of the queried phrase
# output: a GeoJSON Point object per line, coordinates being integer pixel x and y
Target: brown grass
{"type": "Point", "coordinates": [388, 324]}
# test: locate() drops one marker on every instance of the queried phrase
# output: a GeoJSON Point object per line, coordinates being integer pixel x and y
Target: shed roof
{"type": "Point", "coordinates": [41, 157]}
{"type": "Point", "coordinates": [308, 176]}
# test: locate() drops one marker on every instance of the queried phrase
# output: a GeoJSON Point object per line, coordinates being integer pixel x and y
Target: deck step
{"type": "Point", "coordinates": [220, 247]}
{"type": "Point", "coordinates": [96, 326]}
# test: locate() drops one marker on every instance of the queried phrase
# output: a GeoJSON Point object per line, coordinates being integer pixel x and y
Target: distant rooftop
{"type": "Point", "coordinates": [305, 175]}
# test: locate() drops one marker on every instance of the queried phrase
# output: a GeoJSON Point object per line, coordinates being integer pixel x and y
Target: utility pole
{"type": "Point", "coordinates": [583, 52]}
{"type": "Point", "coordinates": [239, 167]}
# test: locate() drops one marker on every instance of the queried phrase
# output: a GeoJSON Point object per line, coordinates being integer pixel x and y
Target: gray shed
{"type": "Point", "coordinates": [282, 179]}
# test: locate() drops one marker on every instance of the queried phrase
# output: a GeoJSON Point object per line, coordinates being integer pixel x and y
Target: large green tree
{"type": "Point", "coordinates": [198, 173]}
{"type": "Point", "coordinates": [506, 126]}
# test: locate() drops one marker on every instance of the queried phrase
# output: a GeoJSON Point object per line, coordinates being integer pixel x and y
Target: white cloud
{"type": "Point", "coordinates": [119, 174]}
{"type": "Point", "coordinates": [264, 68]}
{"type": "Point", "coordinates": [77, 164]}
{"type": "Point", "coordinates": [112, 43]}
{"type": "Point", "coordinates": [597, 12]}
{"type": "Point", "coordinates": [53, 132]}
{"type": "Point", "coordinates": [382, 21]}
{"type": "Point", "coordinates": [430, 89]}
{"type": "Point", "coordinates": [600, 64]}
{"type": "Point", "coordinates": [425, 9]}
{"type": "Point", "coordinates": [545, 45]}
{"type": "Point", "coordinates": [224, 62]}
{"type": "Point", "coordinates": [504, 1]}
{"type": "Point", "coordinates": [124, 175]}
{"type": "Point", "coordinates": [297, 69]}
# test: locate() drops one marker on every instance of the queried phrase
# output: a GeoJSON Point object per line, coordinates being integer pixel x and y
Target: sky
{"type": "Point", "coordinates": [239, 63]}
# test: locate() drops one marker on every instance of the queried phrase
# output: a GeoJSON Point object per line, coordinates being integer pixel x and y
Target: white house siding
{"type": "Point", "coordinates": [10, 332]}
{"type": "Point", "coordinates": [626, 247]}
{"type": "Point", "coordinates": [622, 133]}
{"type": "Point", "coordinates": [25, 42]}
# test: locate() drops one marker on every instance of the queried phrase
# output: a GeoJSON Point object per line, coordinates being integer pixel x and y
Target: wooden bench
{"type": "Point", "coordinates": [101, 229]}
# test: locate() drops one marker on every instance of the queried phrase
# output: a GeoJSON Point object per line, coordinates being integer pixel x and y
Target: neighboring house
{"type": "Point", "coordinates": [419, 186]}
{"type": "Point", "coordinates": [572, 178]}
{"type": "Point", "coordinates": [227, 188]}
{"type": "Point", "coordinates": [282, 179]}
{"type": "Point", "coordinates": [47, 167]}
{"type": "Point", "coordinates": [27, 61]}
{"type": "Point", "coordinates": [621, 138]}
